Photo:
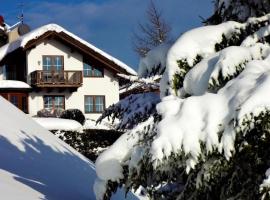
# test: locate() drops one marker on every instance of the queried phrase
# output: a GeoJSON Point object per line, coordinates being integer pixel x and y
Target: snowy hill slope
{"type": "Point", "coordinates": [34, 164]}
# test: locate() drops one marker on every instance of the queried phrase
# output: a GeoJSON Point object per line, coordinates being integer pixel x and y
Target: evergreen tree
{"type": "Point", "coordinates": [238, 10]}
{"type": "Point", "coordinates": [210, 138]}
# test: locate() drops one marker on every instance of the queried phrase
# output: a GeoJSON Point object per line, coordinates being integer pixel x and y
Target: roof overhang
{"type": "Point", "coordinates": [86, 50]}
{"type": "Point", "coordinates": [7, 90]}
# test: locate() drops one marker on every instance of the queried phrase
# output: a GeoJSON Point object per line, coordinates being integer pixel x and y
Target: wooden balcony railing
{"type": "Point", "coordinates": [41, 78]}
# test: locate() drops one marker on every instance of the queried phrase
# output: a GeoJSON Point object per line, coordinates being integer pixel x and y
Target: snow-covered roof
{"type": "Point", "coordinates": [13, 84]}
{"type": "Point", "coordinates": [22, 41]}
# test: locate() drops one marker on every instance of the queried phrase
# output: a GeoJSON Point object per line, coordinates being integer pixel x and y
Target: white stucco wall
{"type": "Point", "coordinates": [107, 86]}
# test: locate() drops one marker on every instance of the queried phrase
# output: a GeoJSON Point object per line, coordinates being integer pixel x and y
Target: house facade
{"type": "Point", "coordinates": [62, 71]}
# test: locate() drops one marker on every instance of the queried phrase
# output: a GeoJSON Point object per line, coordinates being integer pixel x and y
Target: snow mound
{"type": "Point", "coordinates": [36, 33]}
{"type": "Point", "coordinates": [58, 124]}
{"type": "Point", "coordinates": [13, 84]}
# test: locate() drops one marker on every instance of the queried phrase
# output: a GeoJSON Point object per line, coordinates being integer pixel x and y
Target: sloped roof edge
{"type": "Point", "coordinates": [25, 40]}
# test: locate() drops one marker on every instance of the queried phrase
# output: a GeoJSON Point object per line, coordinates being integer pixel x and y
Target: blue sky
{"type": "Point", "coordinates": [108, 24]}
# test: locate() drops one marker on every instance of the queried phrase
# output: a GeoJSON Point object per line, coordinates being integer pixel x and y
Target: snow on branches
{"type": "Point", "coordinates": [214, 129]}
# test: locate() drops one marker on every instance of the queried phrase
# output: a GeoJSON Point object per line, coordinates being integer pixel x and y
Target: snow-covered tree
{"type": "Point", "coordinates": [238, 10]}
{"type": "Point", "coordinates": [210, 138]}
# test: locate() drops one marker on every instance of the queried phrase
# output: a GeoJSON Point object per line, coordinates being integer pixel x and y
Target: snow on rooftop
{"type": "Point", "coordinates": [34, 34]}
{"type": "Point", "coordinates": [13, 84]}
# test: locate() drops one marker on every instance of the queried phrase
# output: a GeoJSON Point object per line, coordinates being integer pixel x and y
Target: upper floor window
{"type": "Point", "coordinates": [53, 63]}
{"type": "Point", "coordinates": [91, 71]}
{"type": "Point", "coordinates": [94, 104]}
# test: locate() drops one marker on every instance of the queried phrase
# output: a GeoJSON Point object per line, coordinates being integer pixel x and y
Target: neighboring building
{"type": "Point", "coordinates": [61, 69]}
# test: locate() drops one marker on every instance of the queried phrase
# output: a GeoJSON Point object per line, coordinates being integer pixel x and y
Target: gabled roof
{"type": "Point", "coordinates": [30, 39]}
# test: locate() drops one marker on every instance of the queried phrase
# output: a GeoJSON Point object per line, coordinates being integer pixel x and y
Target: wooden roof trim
{"type": "Point", "coordinates": [33, 42]}
{"type": "Point", "coordinates": [82, 47]}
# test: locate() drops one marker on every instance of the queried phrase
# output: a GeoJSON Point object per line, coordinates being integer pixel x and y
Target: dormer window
{"type": "Point", "coordinates": [91, 71]}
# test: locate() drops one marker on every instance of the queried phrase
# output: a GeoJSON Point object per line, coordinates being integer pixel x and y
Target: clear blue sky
{"type": "Point", "coordinates": [108, 24]}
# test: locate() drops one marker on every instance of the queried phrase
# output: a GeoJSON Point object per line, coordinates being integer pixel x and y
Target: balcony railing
{"type": "Point", "coordinates": [41, 78]}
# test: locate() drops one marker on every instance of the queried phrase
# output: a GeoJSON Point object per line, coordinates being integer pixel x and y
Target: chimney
{"type": "Point", "coordinates": [17, 30]}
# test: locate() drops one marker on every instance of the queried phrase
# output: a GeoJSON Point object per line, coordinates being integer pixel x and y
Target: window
{"type": "Point", "coordinates": [94, 104]}
{"type": "Point", "coordinates": [53, 63]}
{"type": "Point", "coordinates": [54, 102]}
{"type": "Point", "coordinates": [90, 71]}
{"type": "Point", "coordinates": [20, 100]}
{"type": "Point", "coordinates": [14, 100]}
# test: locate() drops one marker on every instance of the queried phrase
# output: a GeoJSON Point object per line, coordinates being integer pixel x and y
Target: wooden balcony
{"type": "Point", "coordinates": [60, 79]}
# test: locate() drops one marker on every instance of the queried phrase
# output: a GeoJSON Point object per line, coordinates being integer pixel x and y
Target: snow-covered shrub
{"type": "Point", "coordinates": [44, 113]}
{"type": "Point", "coordinates": [90, 142]}
{"type": "Point", "coordinates": [210, 137]}
{"type": "Point", "coordinates": [74, 114]}
{"type": "Point", "coordinates": [50, 112]}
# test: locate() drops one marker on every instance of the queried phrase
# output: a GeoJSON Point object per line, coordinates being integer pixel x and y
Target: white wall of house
{"type": "Point", "coordinates": [107, 86]}
{"type": "Point", "coordinates": [72, 59]}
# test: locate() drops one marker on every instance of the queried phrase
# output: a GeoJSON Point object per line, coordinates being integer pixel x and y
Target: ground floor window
{"type": "Point", "coordinates": [54, 102]}
{"type": "Point", "coordinates": [19, 100]}
{"type": "Point", "coordinates": [94, 104]}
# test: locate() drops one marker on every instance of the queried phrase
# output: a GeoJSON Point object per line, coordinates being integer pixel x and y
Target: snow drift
{"type": "Point", "coordinates": [35, 164]}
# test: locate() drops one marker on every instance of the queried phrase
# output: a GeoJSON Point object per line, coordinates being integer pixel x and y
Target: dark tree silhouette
{"type": "Point", "coordinates": [152, 33]}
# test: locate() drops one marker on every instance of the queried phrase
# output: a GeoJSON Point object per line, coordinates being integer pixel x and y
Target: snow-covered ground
{"type": "Point", "coordinates": [35, 164]}
{"type": "Point", "coordinates": [91, 124]}
{"type": "Point", "coordinates": [51, 123]}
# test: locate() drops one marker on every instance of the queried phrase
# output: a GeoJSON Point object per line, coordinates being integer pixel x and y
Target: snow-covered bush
{"type": "Point", "coordinates": [50, 112]}
{"type": "Point", "coordinates": [74, 114]}
{"type": "Point", "coordinates": [89, 142]}
{"type": "Point", "coordinates": [210, 137]}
